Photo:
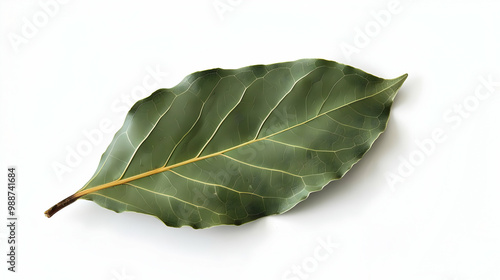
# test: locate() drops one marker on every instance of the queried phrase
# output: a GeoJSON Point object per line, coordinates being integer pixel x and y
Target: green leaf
{"type": "Point", "coordinates": [230, 146]}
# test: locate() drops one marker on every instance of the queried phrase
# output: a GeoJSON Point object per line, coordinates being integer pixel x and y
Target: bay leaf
{"type": "Point", "coordinates": [230, 146]}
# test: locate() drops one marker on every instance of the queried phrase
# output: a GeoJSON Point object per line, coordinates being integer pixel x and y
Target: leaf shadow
{"type": "Point", "coordinates": [346, 196]}
{"type": "Point", "coordinates": [341, 198]}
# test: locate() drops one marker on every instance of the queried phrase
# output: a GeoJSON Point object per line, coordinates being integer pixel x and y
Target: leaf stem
{"type": "Point", "coordinates": [63, 203]}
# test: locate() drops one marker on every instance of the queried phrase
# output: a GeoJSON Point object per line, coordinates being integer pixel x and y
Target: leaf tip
{"type": "Point", "coordinates": [402, 78]}
{"type": "Point", "coordinates": [398, 82]}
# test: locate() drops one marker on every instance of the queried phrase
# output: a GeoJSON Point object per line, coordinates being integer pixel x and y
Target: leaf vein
{"type": "Point", "coordinates": [260, 167]}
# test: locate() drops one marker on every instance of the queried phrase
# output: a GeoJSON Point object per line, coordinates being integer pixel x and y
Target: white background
{"type": "Point", "coordinates": [80, 61]}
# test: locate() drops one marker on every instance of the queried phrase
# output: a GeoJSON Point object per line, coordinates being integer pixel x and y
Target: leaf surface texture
{"type": "Point", "coordinates": [230, 146]}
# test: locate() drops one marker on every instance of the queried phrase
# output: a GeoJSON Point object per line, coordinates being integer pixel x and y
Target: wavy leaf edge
{"type": "Point", "coordinates": [85, 190]}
